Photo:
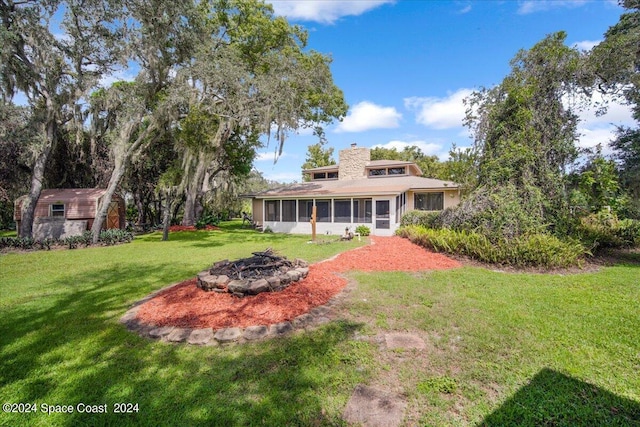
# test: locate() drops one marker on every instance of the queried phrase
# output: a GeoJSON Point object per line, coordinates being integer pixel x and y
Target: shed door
{"type": "Point", "coordinates": [113, 219]}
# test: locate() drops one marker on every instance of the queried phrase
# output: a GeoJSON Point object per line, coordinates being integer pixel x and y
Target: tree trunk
{"type": "Point", "coordinates": [117, 174]}
{"type": "Point", "coordinates": [192, 190]}
{"type": "Point", "coordinates": [141, 212]}
{"type": "Point", "coordinates": [166, 218]}
{"type": "Point", "coordinates": [29, 204]}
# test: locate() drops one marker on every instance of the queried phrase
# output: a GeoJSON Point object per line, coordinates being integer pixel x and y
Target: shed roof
{"type": "Point", "coordinates": [69, 194]}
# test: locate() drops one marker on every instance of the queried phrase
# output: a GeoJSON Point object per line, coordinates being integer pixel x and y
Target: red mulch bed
{"type": "Point", "coordinates": [185, 305]}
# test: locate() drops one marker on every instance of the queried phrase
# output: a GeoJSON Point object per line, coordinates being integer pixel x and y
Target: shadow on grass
{"type": "Point", "coordinates": [69, 349]}
{"type": "Point", "coordinates": [555, 399]}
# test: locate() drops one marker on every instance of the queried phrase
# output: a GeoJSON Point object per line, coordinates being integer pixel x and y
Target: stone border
{"type": "Point", "coordinates": [211, 337]}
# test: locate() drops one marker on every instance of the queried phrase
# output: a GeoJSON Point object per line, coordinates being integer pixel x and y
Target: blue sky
{"type": "Point", "coordinates": [405, 66]}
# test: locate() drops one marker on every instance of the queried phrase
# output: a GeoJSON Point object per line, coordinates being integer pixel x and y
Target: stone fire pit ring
{"type": "Point", "coordinates": [263, 272]}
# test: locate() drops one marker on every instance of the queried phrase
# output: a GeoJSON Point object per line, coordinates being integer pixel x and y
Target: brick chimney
{"type": "Point", "coordinates": [352, 162]}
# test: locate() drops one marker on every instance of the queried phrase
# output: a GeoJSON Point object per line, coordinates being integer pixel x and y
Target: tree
{"type": "Point", "coordinates": [596, 185]}
{"type": "Point", "coordinates": [318, 156]}
{"type": "Point", "coordinates": [524, 135]}
{"type": "Point", "coordinates": [430, 165]}
{"type": "Point", "coordinates": [627, 153]}
{"type": "Point", "coordinates": [461, 168]}
{"type": "Point", "coordinates": [54, 73]}
{"type": "Point", "coordinates": [17, 133]}
{"type": "Point", "coordinates": [205, 160]}
{"type": "Point", "coordinates": [231, 59]}
{"type": "Point", "coordinates": [615, 63]}
{"type": "Point", "coordinates": [161, 37]}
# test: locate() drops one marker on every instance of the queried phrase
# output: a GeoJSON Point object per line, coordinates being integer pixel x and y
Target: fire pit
{"type": "Point", "coordinates": [263, 272]}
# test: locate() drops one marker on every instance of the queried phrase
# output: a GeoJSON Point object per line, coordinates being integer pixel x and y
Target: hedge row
{"type": "Point", "coordinates": [107, 237]}
{"type": "Point", "coordinates": [539, 250]}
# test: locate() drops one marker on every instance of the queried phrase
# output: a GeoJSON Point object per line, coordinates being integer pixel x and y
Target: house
{"type": "Point", "coordinates": [356, 191]}
{"type": "Point", "coordinates": [66, 212]}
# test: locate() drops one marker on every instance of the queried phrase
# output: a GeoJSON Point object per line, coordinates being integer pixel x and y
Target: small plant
{"type": "Point", "coordinates": [363, 230]}
{"type": "Point", "coordinates": [113, 236]}
{"type": "Point", "coordinates": [444, 384]}
{"type": "Point", "coordinates": [207, 219]}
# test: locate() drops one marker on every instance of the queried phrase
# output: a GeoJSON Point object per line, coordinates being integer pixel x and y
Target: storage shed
{"type": "Point", "coordinates": [66, 212]}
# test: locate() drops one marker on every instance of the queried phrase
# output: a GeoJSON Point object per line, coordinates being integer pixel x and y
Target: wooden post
{"type": "Point", "coordinates": [313, 223]}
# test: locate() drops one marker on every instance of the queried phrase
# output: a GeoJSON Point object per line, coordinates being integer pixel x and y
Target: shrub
{"type": "Point", "coordinates": [540, 250]}
{"type": "Point", "coordinates": [424, 218]}
{"type": "Point", "coordinates": [363, 230]}
{"type": "Point", "coordinates": [207, 219]}
{"type": "Point", "coordinates": [604, 230]}
{"type": "Point", "coordinates": [108, 237]}
{"type": "Point", "coordinates": [497, 213]}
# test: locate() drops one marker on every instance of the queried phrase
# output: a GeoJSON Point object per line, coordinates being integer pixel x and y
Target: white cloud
{"type": "Point", "coordinates": [439, 113]}
{"type": "Point", "coordinates": [617, 113]}
{"type": "Point", "coordinates": [324, 11]}
{"type": "Point", "coordinates": [269, 156]}
{"type": "Point", "coordinates": [589, 138]}
{"type": "Point", "coordinates": [587, 45]}
{"type": "Point", "coordinates": [464, 10]}
{"type": "Point", "coordinates": [367, 115]}
{"type": "Point", "coordinates": [533, 6]}
{"type": "Point", "coordinates": [597, 129]}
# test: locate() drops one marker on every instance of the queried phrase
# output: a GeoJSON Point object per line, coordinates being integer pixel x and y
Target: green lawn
{"type": "Point", "coordinates": [500, 347]}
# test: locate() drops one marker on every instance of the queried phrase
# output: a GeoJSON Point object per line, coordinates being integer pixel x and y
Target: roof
{"type": "Point", "coordinates": [370, 164]}
{"type": "Point", "coordinates": [358, 187]}
{"type": "Point", "coordinates": [80, 203]}
{"type": "Point", "coordinates": [322, 169]}
{"type": "Point", "coordinates": [69, 194]}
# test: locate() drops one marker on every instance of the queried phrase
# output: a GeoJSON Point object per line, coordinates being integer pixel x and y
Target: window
{"type": "Point", "coordinates": [305, 207]}
{"type": "Point", "coordinates": [272, 208]}
{"type": "Point", "coordinates": [429, 201]}
{"type": "Point", "coordinates": [57, 209]}
{"type": "Point", "coordinates": [377, 172]}
{"type": "Point", "coordinates": [323, 210]}
{"type": "Point", "coordinates": [325, 175]}
{"type": "Point", "coordinates": [362, 210]}
{"type": "Point", "coordinates": [397, 171]}
{"type": "Point", "coordinates": [342, 210]}
{"type": "Point", "coordinates": [289, 211]}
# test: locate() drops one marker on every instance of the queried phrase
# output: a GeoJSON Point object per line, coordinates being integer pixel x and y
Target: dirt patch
{"type": "Point", "coordinates": [400, 340]}
{"type": "Point", "coordinates": [372, 407]}
{"type": "Point", "coordinates": [187, 306]}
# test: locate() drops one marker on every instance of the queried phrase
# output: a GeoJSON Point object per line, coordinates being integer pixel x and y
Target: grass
{"type": "Point", "coordinates": [528, 349]}
{"type": "Point", "coordinates": [510, 349]}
